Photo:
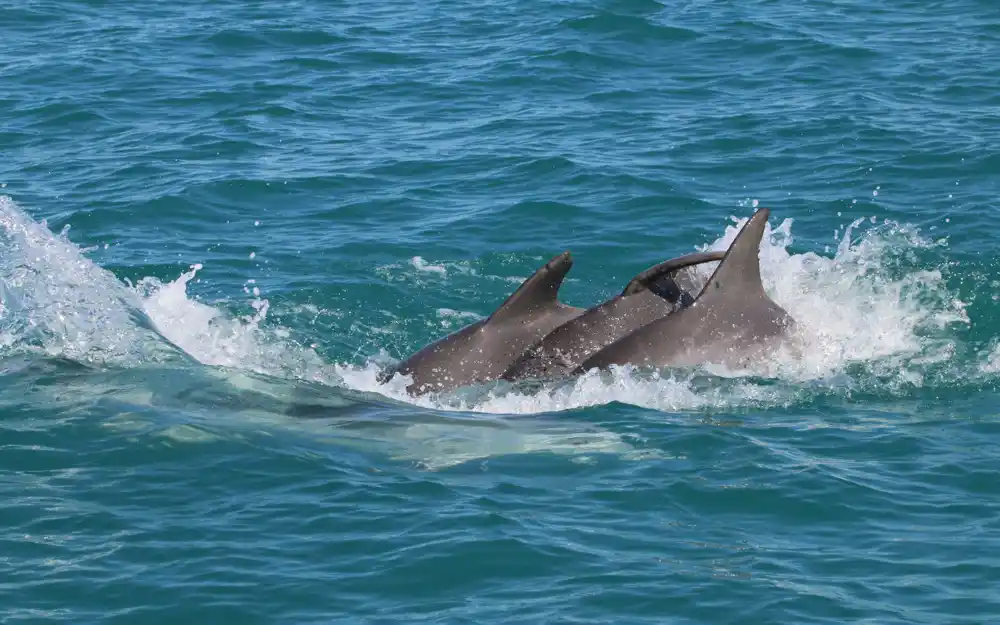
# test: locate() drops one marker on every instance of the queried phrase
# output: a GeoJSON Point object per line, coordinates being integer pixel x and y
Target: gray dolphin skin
{"type": "Point", "coordinates": [656, 292]}
{"type": "Point", "coordinates": [482, 351]}
{"type": "Point", "coordinates": [731, 322]}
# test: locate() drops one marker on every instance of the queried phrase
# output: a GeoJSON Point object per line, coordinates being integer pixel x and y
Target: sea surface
{"type": "Point", "coordinates": [220, 220]}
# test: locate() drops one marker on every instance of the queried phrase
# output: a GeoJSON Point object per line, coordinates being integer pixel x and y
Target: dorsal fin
{"type": "Point", "coordinates": [738, 275]}
{"type": "Point", "coordinates": [642, 281]}
{"type": "Point", "coordinates": [537, 293]}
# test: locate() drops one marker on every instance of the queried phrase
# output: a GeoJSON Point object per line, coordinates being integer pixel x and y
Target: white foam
{"type": "Point", "coordinates": [859, 305]}
{"type": "Point", "coordinates": [856, 307]}
{"type": "Point", "coordinates": [56, 301]}
{"type": "Point", "coordinates": [214, 338]}
{"type": "Point", "coordinates": [451, 318]}
{"type": "Point", "coordinates": [422, 265]}
{"type": "Point", "coordinates": [851, 308]}
{"type": "Point", "coordinates": [990, 361]}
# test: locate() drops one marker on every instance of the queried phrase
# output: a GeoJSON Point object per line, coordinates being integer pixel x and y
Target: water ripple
{"type": "Point", "coordinates": [299, 192]}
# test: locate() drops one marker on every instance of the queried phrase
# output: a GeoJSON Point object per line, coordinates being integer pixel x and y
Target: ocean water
{"type": "Point", "coordinates": [219, 220]}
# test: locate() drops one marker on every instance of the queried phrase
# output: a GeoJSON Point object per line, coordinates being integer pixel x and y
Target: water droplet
{"type": "Point", "coordinates": [252, 254]}
{"type": "Point", "coordinates": [256, 222]}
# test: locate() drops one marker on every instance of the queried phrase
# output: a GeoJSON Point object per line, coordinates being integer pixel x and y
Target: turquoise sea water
{"type": "Point", "coordinates": [268, 201]}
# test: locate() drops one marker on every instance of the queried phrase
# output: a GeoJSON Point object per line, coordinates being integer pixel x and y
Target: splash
{"type": "Point", "coordinates": [865, 304]}
{"type": "Point", "coordinates": [213, 337]}
{"type": "Point", "coordinates": [865, 318]}
{"type": "Point", "coordinates": [422, 265]}
{"type": "Point", "coordinates": [55, 302]}
{"type": "Point", "coordinates": [868, 315]}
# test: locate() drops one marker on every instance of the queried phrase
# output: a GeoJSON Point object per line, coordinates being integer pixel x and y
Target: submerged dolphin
{"type": "Point", "coordinates": [480, 352]}
{"type": "Point", "coordinates": [654, 293]}
{"type": "Point", "coordinates": [730, 322]}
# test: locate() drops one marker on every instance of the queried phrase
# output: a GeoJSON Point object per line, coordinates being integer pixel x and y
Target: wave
{"type": "Point", "coordinates": [869, 317]}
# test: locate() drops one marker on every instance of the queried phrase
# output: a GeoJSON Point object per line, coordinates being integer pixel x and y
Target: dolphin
{"type": "Point", "coordinates": [731, 322]}
{"type": "Point", "coordinates": [480, 352]}
{"type": "Point", "coordinates": [654, 293]}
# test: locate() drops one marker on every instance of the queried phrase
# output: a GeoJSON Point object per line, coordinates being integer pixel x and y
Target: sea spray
{"type": "Point", "coordinates": [864, 319]}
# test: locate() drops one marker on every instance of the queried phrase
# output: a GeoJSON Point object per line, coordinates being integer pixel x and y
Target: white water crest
{"type": "Point", "coordinates": [55, 302]}
{"type": "Point", "coordinates": [855, 306]}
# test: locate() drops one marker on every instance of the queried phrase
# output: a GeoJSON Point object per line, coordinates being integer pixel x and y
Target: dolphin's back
{"type": "Point", "coordinates": [482, 351]}
{"type": "Point", "coordinates": [655, 293]}
{"type": "Point", "coordinates": [731, 321]}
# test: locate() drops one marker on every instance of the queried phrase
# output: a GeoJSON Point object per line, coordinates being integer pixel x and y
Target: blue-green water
{"type": "Point", "coordinates": [269, 201]}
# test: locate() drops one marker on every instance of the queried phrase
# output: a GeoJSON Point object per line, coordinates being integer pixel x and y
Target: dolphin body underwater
{"type": "Point", "coordinates": [653, 321]}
